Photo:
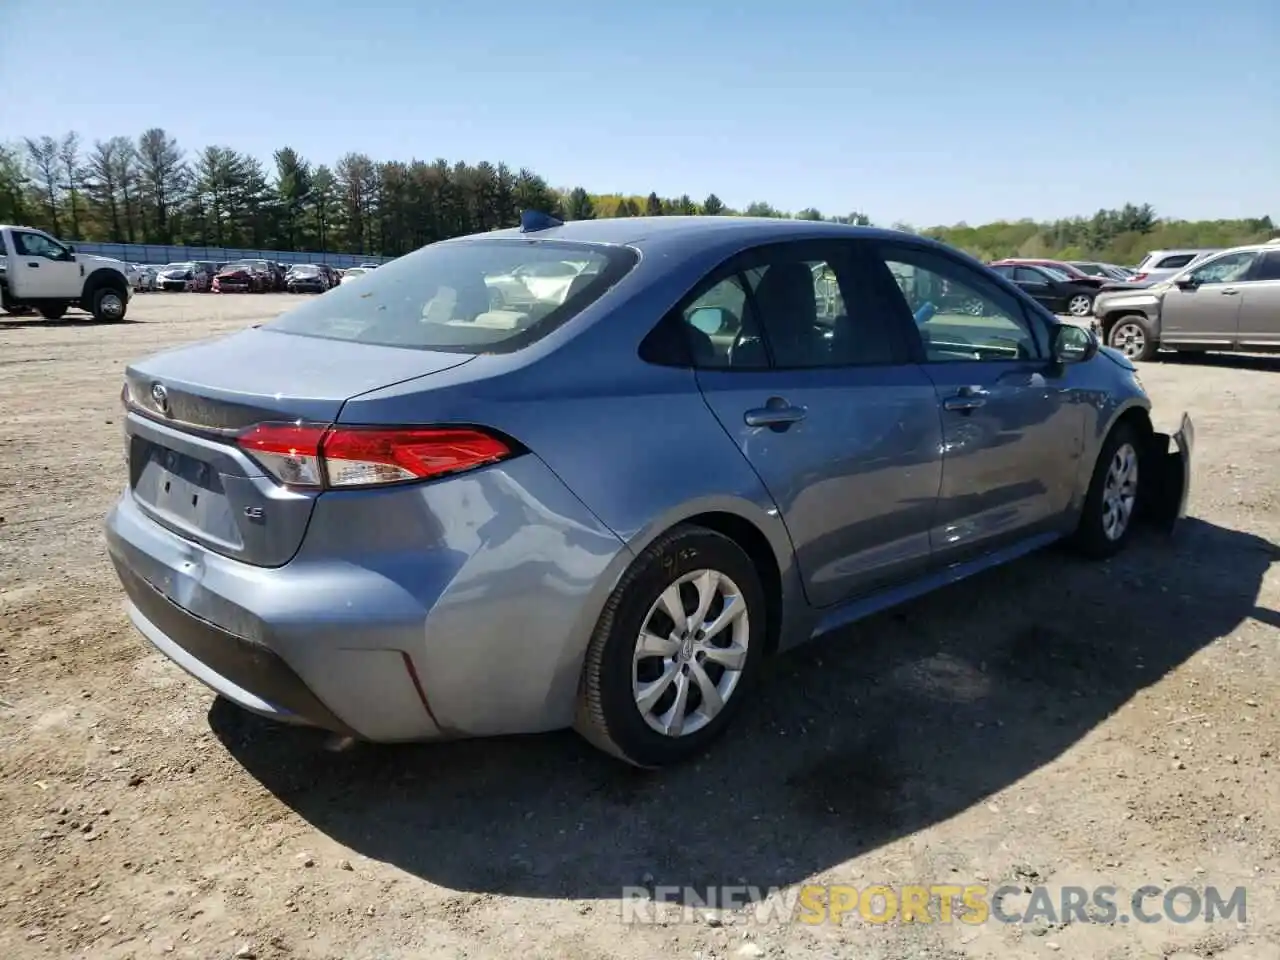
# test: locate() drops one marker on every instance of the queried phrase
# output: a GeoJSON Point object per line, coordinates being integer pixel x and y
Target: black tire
{"type": "Point", "coordinates": [53, 311]}
{"type": "Point", "coordinates": [608, 715]}
{"type": "Point", "coordinates": [108, 304]}
{"type": "Point", "coordinates": [1090, 538]}
{"type": "Point", "coordinates": [1132, 335]}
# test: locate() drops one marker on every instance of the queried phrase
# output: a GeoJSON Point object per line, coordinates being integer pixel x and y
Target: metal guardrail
{"type": "Point", "coordinates": [169, 253]}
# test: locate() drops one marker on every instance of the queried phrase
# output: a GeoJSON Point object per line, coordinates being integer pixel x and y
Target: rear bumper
{"type": "Point", "coordinates": [460, 608]}
{"type": "Point", "coordinates": [248, 673]}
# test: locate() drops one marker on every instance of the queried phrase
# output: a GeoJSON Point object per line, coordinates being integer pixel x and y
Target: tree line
{"type": "Point", "coordinates": [149, 189]}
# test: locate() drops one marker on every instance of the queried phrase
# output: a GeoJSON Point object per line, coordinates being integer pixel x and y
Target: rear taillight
{"type": "Point", "coordinates": [290, 452]}
{"type": "Point", "coordinates": [1137, 277]}
{"type": "Point", "coordinates": [309, 455]}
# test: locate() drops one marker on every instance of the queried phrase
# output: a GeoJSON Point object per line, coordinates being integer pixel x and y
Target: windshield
{"type": "Point", "coordinates": [180, 266]}
{"type": "Point", "coordinates": [464, 296]}
{"type": "Point", "coordinates": [1054, 272]}
{"type": "Point", "coordinates": [304, 269]}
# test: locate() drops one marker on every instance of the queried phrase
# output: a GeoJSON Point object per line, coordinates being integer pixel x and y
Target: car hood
{"type": "Point", "coordinates": [90, 262]}
{"type": "Point", "coordinates": [1116, 357]}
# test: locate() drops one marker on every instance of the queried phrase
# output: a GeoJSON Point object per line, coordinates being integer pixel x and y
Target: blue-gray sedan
{"type": "Point", "coordinates": [592, 474]}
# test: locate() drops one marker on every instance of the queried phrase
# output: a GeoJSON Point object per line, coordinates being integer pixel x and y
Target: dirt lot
{"type": "Point", "coordinates": [1050, 723]}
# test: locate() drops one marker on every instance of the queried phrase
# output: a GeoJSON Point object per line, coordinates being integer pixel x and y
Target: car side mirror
{"type": "Point", "coordinates": [1072, 344]}
{"type": "Point", "coordinates": [1186, 283]}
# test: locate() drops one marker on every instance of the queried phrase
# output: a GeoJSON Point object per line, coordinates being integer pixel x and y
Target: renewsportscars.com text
{"type": "Point", "coordinates": [937, 903]}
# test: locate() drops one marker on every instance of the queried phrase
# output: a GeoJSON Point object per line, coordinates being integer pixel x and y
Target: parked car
{"type": "Point", "coordinates": [341, 516]}
{"type": "Point", "coordinates": [1162, 264]}
{"type": "Point", "coordinates": [1072, 273]}
{"type": "Point", "coordinates": [44, 274]}
{"type": "Point", "coordinates": [1103, 271]}
{"type": "Point", "coordinates": [247, 276]}
{"type": "Point", "coordinates": [1227, 301]}
{"type": "Point", "coordinates": [142, 278]}
{"type": "Point", "coordinates": [185, 277]}
{"type": "Point", "coordinates": [331, 276]}
{"type": "Point", "coordinates": [1051, 287]}
{"type": "Point", "coordinates": [306, 278]}
{"type": "Point", "coordinates": [353, 273]}
{"type": "Point", "coordinates": [369, 266]}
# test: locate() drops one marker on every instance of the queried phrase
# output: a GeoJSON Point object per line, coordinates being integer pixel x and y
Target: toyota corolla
{"type": "Point", "coordinates": [403, 511]}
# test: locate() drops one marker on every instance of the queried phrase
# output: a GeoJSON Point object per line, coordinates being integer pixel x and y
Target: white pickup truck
{"type": "Point", "coordinates": [41, 273]}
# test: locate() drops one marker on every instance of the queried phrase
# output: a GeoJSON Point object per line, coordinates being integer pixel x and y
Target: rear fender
{"type": "Point", "coordinates": [1168, 476]}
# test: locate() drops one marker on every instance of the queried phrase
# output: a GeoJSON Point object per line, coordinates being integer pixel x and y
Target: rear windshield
{"type": "Point", "coordinates": [470, 296]}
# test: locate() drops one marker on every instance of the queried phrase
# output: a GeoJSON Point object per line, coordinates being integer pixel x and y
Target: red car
{"type": "Point", "coordinates": [241, 278]}
{"type": "Point", "coordinates": [1074, 274]}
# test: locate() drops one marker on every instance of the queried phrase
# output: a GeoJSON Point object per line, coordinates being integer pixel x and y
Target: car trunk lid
{"type": "Point", "coordinates": [186, 470]}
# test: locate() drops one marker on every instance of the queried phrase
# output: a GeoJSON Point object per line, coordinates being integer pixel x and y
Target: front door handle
{"type": "Point", "coordinates": [966, 399]}
{"type": "Point", "coordinates": [1229, 292]}
{"type": "Point", "coordinates": [775, 413]}
{"type": "Point", "coordinates": [30, 264]}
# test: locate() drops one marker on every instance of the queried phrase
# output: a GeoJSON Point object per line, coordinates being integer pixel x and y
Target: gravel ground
{"type": "Point", "coordinates": [1053, 723]}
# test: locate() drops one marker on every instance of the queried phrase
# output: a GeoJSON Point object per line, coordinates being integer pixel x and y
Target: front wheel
{"type": "Point", "coordinates": [1081, 305]}
{"type": "Point", "coordinates": [1132, 335]}
{"type": "Point", "coordinates": [1113, 499]}
{"type": "Point", "coordinates": [676, 648]}
{"type": "Point", "coordinates": [108, 305]}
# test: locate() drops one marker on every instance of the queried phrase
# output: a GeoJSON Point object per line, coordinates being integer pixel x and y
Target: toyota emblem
{"type": "Point", "coordinates": [160, 396]}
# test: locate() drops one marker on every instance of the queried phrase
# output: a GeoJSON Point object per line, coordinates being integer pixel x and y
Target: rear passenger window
{"type": "Point", "coordinates": [1269, 268]}
{"type": "Point", "coordinates": [788, 313]}
{"type": "Point", "coordinates": [1172, 263]}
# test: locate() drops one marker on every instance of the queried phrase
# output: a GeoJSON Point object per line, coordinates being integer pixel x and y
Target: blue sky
{"type": "Point", "coordinates": [927, 111]}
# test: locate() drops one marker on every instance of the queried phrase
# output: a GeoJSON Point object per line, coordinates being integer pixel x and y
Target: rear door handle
{"type": "Point", "coordinates": [966, 398]}
{"type": "Point", "coordinates": [776, 413]}
{"type": "Point", "coordinates": [30, 264]}
{"type": "Point", "coordinates": [1229, 292]}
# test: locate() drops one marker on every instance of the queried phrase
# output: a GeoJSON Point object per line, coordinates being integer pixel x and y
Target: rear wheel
{"type": "Point", "coordinates": [1113, 499]}
{"type": "Point", "coordinates": [53, 311]}
{"type": "Point", "coordinates": [108, 305]}
{"type": "Point", "coordinates": [1081, 305]}
{"type": "Point", "coordinates": [675, 651]}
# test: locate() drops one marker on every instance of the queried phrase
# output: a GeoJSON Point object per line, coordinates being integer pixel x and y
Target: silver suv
{"type": "Point", "coordinates": [1229, 300]}
{"type": "Point", "coordinates": [1162, 264]}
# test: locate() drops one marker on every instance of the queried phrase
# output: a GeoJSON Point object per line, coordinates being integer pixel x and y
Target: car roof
{"type": "Point", "coordinates": [656, 232]}
{"type": "Point", "coordinates": [1261, 245]}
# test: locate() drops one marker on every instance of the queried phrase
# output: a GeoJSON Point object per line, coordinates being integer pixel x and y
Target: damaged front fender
{"type": "Point", "coordinates": [1168, 476]}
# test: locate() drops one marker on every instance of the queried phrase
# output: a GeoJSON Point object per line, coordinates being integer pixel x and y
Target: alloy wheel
{"type": "Point", "coordinates": [1129, 338]}
{"type": "Point", "coordinates": [1079, 305]}
{"type": "Point", "coordinates": [1120, 492]}
{"type": "Point", "coordinates": [690, 652]}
